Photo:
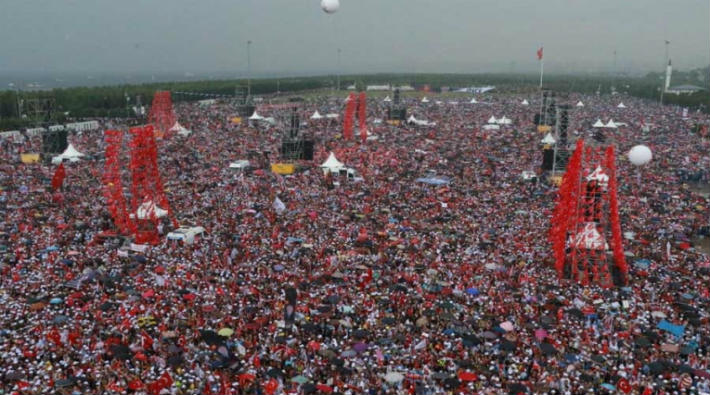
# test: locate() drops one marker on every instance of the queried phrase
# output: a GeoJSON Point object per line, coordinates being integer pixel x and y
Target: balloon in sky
{"type": "Point", "coordinates": [330, 6]}
{"type": "Point", "coordinates": [640, 155]}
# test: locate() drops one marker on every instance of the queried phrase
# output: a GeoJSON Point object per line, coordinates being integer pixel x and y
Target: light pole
{"type": "Point", "coordinates": [665, 69]}
{"type": "Point", "coordinates": [248, 69]}
{"type": "Point", "coordinates": [338, 80]}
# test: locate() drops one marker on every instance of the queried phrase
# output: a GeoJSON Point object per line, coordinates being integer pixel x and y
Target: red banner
{"type": "Point", "coordinates": [362, 116]}
{"type": "Point", "coordinates": [58, 178]}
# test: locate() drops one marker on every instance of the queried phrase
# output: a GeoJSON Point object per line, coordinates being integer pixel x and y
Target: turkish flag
{"type": "Point", "coordinates": [539, 54]}
{"type": "Point", "coordinates": [58, 178]}
{"type": "Point", "coordinates": [624, 386]}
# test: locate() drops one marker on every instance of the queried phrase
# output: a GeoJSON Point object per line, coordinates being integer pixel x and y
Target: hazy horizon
{"type": "Point", "coordinates": [294, 37]}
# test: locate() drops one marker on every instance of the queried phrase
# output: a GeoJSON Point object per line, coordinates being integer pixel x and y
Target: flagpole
{"type": "Point", "coordinates": [542, 69]}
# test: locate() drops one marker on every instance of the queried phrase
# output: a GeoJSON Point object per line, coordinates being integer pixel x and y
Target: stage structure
{"type": "Point", "coordinates": [294, 145]}
{"type": "Point", "coordinates": [349, 119]}
{"type": "Point", "coordinates": [161, 114]}
{"type": "Point", "coordinates": [245, 106]}
{"type": "Point", "coordinates": [585, 232]}
{"type": "Point", "coordinates": [397, 111]}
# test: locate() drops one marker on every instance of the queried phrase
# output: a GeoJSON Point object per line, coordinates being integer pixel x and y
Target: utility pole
{"type": "Point", "coordinates": [338, 81]}
{"type": "Point", "coordinates": [248, 69]}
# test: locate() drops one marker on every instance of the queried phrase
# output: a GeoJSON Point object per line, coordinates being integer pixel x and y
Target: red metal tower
{"type": "Point", "coordinates": [585, 231]}
{"type": "Point", "coordinates": [161, 114]}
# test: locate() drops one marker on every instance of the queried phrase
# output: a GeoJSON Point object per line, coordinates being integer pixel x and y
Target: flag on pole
{"type": "Point", "coordinates": [539, 54]}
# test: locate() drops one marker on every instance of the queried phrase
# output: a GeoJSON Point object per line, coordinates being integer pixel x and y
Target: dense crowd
{"type": "Point", "coordinates": [399, 287]}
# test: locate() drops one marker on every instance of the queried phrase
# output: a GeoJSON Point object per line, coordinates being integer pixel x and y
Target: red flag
{"type": "Point", "coordinates": [58, 178]}
{"type": "Point", "coordinates": [539, 54]}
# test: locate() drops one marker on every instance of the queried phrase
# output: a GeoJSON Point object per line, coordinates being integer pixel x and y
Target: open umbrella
{"type": "Point", "coordinates": [211, 337]}
{"type": "Point", "coordinates": [517, 388]}
{"type": "Point", "coordinates": [507, 326]}
{"type": "Point", "coordinates": [394, 377]}
{"type": "Point", "coordinates": [467, 376]}
{"type": "Point", "coordinates": [547, 348]}
{"type": "Point", "coordinates": [299, 379]}
{"type": "Point", "coordinates": [226, 332]}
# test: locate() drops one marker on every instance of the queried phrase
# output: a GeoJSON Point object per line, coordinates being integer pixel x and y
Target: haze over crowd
{"type": "Point", "coordinates": [191, 38]}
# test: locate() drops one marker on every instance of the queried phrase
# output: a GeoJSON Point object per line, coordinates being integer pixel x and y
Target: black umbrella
{"type": "Point", "coordinates": [360, 334]}
{"type": "Point", "coordinates": [642, 341]}
{"type": "Point", "coordinates": [274, 373]}
{"type": "Point", "coordinates": [211, 337]}
{"type": "Point", "coordinates": [440, 375]}
{"type": "Point", "coordinates": [63, 383]}
{"type": "Point", "coordinates": [121, 351]}
{"type": "Point", "coordinates": [175, 361]}
{"type": "Point", "coordinates": [388, 320]}
{"type": "Point", "coordinates": [332, 299]}
{"type": "Point", "coordinates": [325, 308]}
{"type": "Point", "coordinates": [547, 348]}
{"type": "Point", "coordinates": [576, 313]}
{"type": "Point", "coordinates": [598, 358]}
{"type": "Point", "coordinates": [509, 346]}
{"type": "Point", "coordinates": [106, 306]}
{"type": "Point", "coordinates": [308, 388]}
{"type": "Point", "coordinates": [451, 383]}
{"type": "Point", "coordinates": [516, 388]}
{"type": "Point", "coordinates": [586, 377]}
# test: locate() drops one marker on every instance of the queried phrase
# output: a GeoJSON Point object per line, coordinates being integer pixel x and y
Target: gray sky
{"type": "Point", "coordinates": [296, 37]}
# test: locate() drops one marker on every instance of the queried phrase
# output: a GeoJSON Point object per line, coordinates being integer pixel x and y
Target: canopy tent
{"type": "Point", "coordinates": [580, 104]}
{"type": "Point", "coordinates": [70, 154]}
{"type": "Point", "coordinates": [255, 117]}
{"type": "Point", "coordinates": [473, 101]}
{"type": "Point", "coordinates": [589, 238]}
{"type": "Point", "coordinates": [598, 124]}
{"type": "Point", "coordinates": [149, 209]}
{"type": "Point", "coordinates": [621, 105]}
{"type": "Point", "coordinates": [611, 124]}
{"type": "Point", "coordinates": [332, 116]}
{"type": "Point", "coordinates": [548, 139]}
{"type": "Point", "coordinates": [505, 121]}
{"type": "Point", "coordinates": [491, 127]}
{"type": "Point", "coordinates": [316, 115]}
{"type": "Point", "coordinates": [419, 122]}
{"type": "Point", "coordinates": [425, 100]}
{"type": "Point", "coordinates": [387, 99]}
{"type": "Point", "coordinates": [492, 120]}
{"type": "Point", "coordinates": [525, 102]}
{"type": "Point", "coordinates": [332, 164]}
{"type": "Point", "coordinates": [240, 164]}
{"type": "Point", "coordinates": [181, 130]}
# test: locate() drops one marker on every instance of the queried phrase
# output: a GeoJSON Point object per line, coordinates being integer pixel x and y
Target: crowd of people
{"type": "Point", "coordinates": [375, 285]}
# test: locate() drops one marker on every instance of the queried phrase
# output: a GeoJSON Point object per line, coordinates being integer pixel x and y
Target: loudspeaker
{"type": "Point", "coordinates": [245, 110]}
{"type": "Point", "coordinates": [307, 150]}
{"type": "Point", "coordinates": [54, 142]}
{"type": "Point", "coordinates": [396, 114]}
{"type": "Point", "coordinates": [537, 120]}
{"type": "Point", "coordinates": [548, 159]}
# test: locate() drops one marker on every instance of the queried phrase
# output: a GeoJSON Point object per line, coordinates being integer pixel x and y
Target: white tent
{"type": "Point", "coordinates": [181, 130]}
{"type": "Point", "coordinates": [611, 124]}
{"type": "Point", "coordinates": [387, 99]}
{"type": "Point", "coordinates": [70, 154]}
{"type": "Point", "coordinates": [505, 121]}
{"type": "Point", "coordinates": [240, 164]}
{"type": "Point", "coordinates": [621, 105]}
{"type": "Point", "coordinates": [473, 101]}
{"type": "Point", "coordinates": [332, 116]}
{"type": "Point", "coordinates": [149, 209]}
{"type": "Point", "coordinates": [492, 120]}
{"type": "Point", "coordinates": [332, 164]}
{"type": "Point", "coordinates": [548, 139]}
{"type": "Point", "coordinates": [580, 104]}
{"type": "Point", "coordinates": [425, 100]}
{"type": "Point", "coordinates": [316, 115]}
{"type": "Point", "coordinates": [598, 124]}
{"type": "Point", "coordinates": [491, 127]}
{"type": "Point", "coordinates": [419, 122]}
{"type": "Point", "coordinates": [525, 102]}
{"type": "Point", "coordinates": [255, 117]}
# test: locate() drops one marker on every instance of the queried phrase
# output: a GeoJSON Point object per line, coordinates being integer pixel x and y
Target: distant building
{"type": "Point", "coordinates": [684, 89]}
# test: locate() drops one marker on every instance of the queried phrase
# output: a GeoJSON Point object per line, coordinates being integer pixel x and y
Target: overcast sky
{"type": "Point", "coordinates": [296, 37]}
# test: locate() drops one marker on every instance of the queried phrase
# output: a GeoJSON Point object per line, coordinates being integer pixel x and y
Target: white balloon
{"type": "Point", "coordinates": [640, 155]}
{"type": "Point", "coordinates": [330, 6]}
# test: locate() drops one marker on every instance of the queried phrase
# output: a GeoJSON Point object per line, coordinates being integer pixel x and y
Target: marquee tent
{"type": "Point", "coordinates": [611, 124]}
{"type": "Point", "coordinates": [316, 115]}
{"type": "Point", "coordinates": [580, 104]}
{"type": "Point", "coordinates": [387, 99]}
{"type": "Point", "coordinates": [332, 164]}
{"type": "Point", "coordinates": [70, 154]}
{"type": "Point", "coordinates": [598, 124]}
{"type": "Point", "coordinates": [525, 102]}
{"type": "Point", "coordinates": [621, 105]}
{"type": "Point", "coordinates": [473, 101]}
{"type": "Point", "coordinates": [255, 117]}
{"type": "Point", "coordinates": [425, 100]}
{"type": "Point", "coordinates": [548, 139]}
{"type": "Point", "coordinates": [181, 130]}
